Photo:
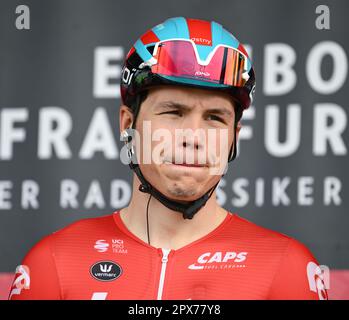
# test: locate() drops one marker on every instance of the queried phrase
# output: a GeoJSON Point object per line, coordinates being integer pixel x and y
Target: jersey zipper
{"type": "Point", "coordinates": [164, 259]}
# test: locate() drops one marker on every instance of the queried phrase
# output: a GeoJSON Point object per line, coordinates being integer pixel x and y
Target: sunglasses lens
{"type": "Point", "coordinates": [177, 58]}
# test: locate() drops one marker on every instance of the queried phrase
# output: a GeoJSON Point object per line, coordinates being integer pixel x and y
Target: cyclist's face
{"type": "Point", "coordinates": [191, 132]}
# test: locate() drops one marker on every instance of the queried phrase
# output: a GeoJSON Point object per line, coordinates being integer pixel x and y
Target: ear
{"type": "Point", "coordinates": [125, 117]}
{"type": "Point", "coordinates": [238, 128]}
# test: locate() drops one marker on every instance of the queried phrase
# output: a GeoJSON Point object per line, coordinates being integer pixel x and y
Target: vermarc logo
{"type": "Point", "coordinates": [105, 271]}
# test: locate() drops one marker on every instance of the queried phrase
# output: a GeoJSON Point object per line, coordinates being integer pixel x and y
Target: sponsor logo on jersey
{"type": "Point", "coordinates": [101, 245]}
{"type": "Point", "coordinates": [22, 280]}
{"type": "Point", "coordinates": [117, 246]}
{"type": "Point", "coordinates": [219, 260]}
{"type": "Point", "coordinates": [99, 296]}
{"type": "Point", "coordinates": [105, 271]}
{"type": "Point", "coordinates": [319, 279]}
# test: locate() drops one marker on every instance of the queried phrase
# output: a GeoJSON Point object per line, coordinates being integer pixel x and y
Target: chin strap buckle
{"type": "Point", "coordinates": [143, 188]}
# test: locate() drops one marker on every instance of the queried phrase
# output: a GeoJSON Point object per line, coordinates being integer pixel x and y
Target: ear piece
{"type": "Point", "coordinates": [126, 135]}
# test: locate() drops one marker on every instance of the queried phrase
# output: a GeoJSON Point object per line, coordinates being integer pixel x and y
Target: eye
{"type": "Point", "coordinates": [215, 118]}
{"type": "Point", "coordinates": [176, 112]}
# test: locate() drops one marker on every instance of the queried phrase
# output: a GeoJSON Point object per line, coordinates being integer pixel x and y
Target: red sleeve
{"type": "Point", "coordinates": [36, 278]}
{"type": "Point", "coordinates": [299, 276]}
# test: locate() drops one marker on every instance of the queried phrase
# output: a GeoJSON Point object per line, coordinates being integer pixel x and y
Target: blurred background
{"type": "Point", "coordinates": [59, 130]}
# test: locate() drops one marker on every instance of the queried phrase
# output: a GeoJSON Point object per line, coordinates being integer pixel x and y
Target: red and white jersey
{"type": "Point", "coordinates": [100, 258]}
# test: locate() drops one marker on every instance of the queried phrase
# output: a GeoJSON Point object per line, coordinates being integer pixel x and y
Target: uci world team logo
{"type": "Point", "coordinates": [105, 271]}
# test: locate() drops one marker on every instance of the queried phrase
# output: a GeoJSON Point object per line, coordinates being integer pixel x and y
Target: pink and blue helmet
{"type": "Point", "coordinates": [188, 52]}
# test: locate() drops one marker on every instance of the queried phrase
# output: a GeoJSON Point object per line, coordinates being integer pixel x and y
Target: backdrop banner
{"type": "Point", "coordinates": [60, 68]}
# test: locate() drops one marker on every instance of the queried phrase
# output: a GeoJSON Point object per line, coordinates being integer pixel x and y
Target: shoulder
{"type": "Point", "coordinates": [86, 226]}
{"type": "Point", "coordinates": [263, 236]}
{"type": "Point", "coordinates": [296, 272]}
{"type": "Point", "coordinates": [75, 235]}
{"type": "Point", "coordinates": [252, 230]}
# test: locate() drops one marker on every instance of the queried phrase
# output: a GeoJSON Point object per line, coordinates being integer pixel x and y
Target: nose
{"type": "Point", "coordinates": [193, 132]}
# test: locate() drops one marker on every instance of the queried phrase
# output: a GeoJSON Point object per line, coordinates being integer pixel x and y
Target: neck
{"type": "Point", "coordinates": [168, 228]}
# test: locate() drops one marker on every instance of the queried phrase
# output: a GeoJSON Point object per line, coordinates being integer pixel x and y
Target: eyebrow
{"type": "Point", "coordinates": [171, 105]}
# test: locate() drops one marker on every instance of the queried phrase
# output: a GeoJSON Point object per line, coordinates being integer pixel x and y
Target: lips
{"type": "Point", "coordinates": [184, 164]}
{"type": "Point", "coordinates": [189, 165]}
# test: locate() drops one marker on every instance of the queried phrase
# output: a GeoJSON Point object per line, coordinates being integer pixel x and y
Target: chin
{"type": "Point", "coordinates": [185, 191]}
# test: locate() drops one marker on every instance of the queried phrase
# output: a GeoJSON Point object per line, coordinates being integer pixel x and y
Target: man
{"type": "Point", "coordinates": [174, 241]}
